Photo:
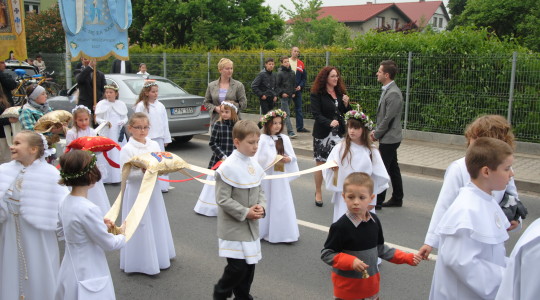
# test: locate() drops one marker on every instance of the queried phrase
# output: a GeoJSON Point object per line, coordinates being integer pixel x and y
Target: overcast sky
{"type": "Point", "coordinates": [275, 4]}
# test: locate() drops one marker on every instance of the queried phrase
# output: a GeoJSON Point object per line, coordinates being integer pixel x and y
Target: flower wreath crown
{"type": "Point", "coordinates": [81, 107]}
{"type": "Point", "coordinates": [149, 83]}
{"type": "Point", "coordinates": [84, 171]}
{"type": "Point", "coordinates": [112, 87]}
{"type": "Point", "coordinates": [272, 114]}
{"type": "Point", "coordinates": [360, 116]}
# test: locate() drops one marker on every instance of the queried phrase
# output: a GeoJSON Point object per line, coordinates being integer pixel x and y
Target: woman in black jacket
{"type": "Point", "coordinates": [329, 103]}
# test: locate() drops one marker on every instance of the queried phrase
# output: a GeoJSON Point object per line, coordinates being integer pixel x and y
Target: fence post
{"type": "Point", "coordinates": [407, 92]}
{"type": "Point", "coordinates": [164, 64]}
{"type": "Point", "coordinates": [67, 61]}
{"type": "Point", "coordinates": [327, 58]}
{"type": "Point", "coordinates": [512, 85]}
{"type": "Point", "coordinates": [261, 62]}
{"type": "Point", "coordinates": [208, 68]}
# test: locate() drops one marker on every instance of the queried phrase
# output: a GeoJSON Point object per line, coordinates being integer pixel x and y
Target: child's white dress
{"type": "Point", "coordinates": [360, 162]}
{"type": "Point", "coordinates": [116, 114]}
{"type": "Point", "coordinates": [81, 226]}
{"type": "Point", "coordinates": [279, 225]}
{"type": "Point", "coordinates": [29, 199]}
{"type": "Point", "coordinates": [159, 130]}
{"type": "Point", "coordinates": [151, 247]}
{"type": "Point", "coordinates": [97, 194]}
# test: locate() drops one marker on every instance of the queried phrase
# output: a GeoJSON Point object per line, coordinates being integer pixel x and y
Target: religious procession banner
{"type": "Point", "coordinates": [96, 28]}
{"type": "Point", "coordinates": [12, 34]}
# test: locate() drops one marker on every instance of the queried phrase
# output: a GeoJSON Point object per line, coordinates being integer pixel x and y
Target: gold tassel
{"type": "Point", "coordinates": [334, 182]}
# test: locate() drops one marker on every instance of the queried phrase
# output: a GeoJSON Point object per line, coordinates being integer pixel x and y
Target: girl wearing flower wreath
{"type": "Point", "coordinates": [29, 198]}
{"type": "Point", "coordinates": [355, 153]}
{"type": "Point", "coordinates": [159, 131]}
{"type": "Point", "coordinates": [279, 225]}
{"type": "Point", "coordinates": [221, 143]}
{"type": "Point", "coordinates": [151, 247]}
{"type": "Point", "coordinates": [113, 112]}
{"type": "Point", "coordinates": [81, 127]}
{"type": "Point", "coordinates": [84, 230]}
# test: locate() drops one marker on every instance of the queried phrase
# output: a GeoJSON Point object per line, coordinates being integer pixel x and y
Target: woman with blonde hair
{"type": "Point", "coordinates": [225, 87]}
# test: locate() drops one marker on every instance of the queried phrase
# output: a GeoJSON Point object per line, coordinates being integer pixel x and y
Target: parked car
{"type": "Point", "coordinates": [12, 65]}
{"type": "Point", "coordinates": [186, 113]}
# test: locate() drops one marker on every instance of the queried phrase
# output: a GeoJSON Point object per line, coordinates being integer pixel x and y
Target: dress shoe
{"type": "Point", "coordinates": [392, 203]}
{"type": "Point", "coordinates": [319, 203]}
{"type": "Point", "coordinates": [302, 130]}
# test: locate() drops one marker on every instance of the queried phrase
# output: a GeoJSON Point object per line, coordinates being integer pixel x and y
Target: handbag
{"type": "Point", "coordinates": [92, 288]}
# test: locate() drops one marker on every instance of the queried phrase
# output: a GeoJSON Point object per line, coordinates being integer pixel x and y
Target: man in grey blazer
{"type": "Point", "coordinates": [388, 131]}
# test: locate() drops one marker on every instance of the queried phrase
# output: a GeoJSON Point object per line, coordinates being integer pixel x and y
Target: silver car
{"type": "Point", "coordinates": [186, 113]}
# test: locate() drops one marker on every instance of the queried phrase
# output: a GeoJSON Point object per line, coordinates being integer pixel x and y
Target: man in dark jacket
{"type": "Point", "coordinates": [7, 82]}
{"type": "Point", "coordinates": [264, 86]}
{"type": "Point", "coordinates": [121, 67]}
{"type": "Point", "coordinates": [286, 89]}
{"type": "Point", "coordinates": [86, 86]}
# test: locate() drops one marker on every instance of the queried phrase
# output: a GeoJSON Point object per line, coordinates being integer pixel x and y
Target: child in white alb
{"type": "Point", "coordinates": [151, 247]}
{"type": "Point", "coordinates": [221, 143]}
{"type": "Point", "coordinates": [113, 112]}
{"type": "Point", "coordinates": [472, 257]}
{"type": "Point", "coordinates": [159, 131]}
{"type": "Point", "coordinates": [84, 273]}
{"type": "Point", "coordinates": [279, 225]}
{"type": "Point", "coordinates": [81, 127]}
{"type": "Point", "coordinates": [355, 153]}
{"type": "Point", "coordinates": [29, 198]}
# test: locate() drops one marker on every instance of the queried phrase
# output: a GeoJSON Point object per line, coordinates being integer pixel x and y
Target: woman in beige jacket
{"type": "Point", "coordinates": [225, 88]}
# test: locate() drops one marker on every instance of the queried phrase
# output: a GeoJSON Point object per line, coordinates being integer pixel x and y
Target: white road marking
{"type": "Point", "coordinates": [432, 257]}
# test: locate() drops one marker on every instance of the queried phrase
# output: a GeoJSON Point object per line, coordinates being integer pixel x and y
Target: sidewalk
{"type": "Point", "coordinates": [429, 158]}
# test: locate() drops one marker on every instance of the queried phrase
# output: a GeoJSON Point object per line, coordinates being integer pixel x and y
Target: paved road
{"type": "Point", "coordinates": [286, 271]}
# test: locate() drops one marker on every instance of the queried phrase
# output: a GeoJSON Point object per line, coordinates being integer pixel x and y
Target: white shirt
{"type": "Point", "coordinates": [159, 122]}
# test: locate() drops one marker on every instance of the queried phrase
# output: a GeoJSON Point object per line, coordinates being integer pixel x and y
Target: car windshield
{"type": "Point", "coordinates": [166, 88]}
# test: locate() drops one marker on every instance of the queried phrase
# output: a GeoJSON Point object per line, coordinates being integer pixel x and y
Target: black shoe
{"type": "Point", "coordinates": [378, 207]}
{"type": "Point", "coordinates": [319, 203]}
{"type": "Point", "coordinates": [392, 203]}
{"type": "Point", "coordinates": [302, 130]}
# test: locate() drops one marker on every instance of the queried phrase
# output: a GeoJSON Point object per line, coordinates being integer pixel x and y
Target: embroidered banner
{"type": "Point", "coordinates": [12, 34]}
{"type": "Point", "coordinates": [96, 28]}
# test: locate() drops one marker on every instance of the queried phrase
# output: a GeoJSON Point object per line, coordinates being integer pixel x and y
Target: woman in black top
{"type": "Point", "coordinates": [329, 103]}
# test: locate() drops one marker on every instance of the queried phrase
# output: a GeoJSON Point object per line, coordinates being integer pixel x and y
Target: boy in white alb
{"type": "Point", "coordinates": [472, 232]}
{"type": "Point", "coordinates": [241, 204]}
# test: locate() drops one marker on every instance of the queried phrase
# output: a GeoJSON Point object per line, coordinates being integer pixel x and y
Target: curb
{"type": "Point", "coordinates": [522, 185]}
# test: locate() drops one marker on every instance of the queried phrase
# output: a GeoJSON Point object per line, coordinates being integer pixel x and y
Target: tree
{"type": "Point", "coordinates": [221, 24]}
{"type": "Point", "coordinates": [44, 31]}
{"type": "Point", "coordinates": [455, 8]}
{"type": "Point", "coordinates": [307, 29]}
{"type": "Point", "coordinates": [508, 19]}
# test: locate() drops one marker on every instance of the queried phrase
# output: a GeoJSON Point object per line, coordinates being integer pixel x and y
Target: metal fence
{"type": "Point", "coordinates": [443, 93]}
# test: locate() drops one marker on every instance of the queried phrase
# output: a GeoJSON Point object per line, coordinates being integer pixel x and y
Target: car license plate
{"type": "Point", "coordinates": [182, 110]}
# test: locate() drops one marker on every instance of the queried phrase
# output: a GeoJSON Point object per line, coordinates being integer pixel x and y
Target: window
{"type": "Point", "coordinates": [440, 22]}
{"type": "Point", "coordinates": [394, 23]}
{"type": "Point", "coordinates": [434, 21]}
{"type": "Point", "coordinates": [380, 21]}
{"type": "Point", "coordinates": [33, 7]}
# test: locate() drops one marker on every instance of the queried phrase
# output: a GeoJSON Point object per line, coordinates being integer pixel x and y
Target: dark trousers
{"type": "Point", "coordinates": [266, 105]}
{"type": "Point", "coordinates": [298, 110]}
{"type": "Point", "coordinates": [389, 157]}
{"type": "Point", "coordinates": [237, 278]}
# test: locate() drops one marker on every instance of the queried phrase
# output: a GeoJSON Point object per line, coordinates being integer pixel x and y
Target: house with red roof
{"type": "Point", "coordinates": [362, 18]}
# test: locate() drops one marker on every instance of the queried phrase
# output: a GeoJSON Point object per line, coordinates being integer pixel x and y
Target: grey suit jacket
{"type": "Point", "coordinates": [233, 206]}
{"type": "Point", "coordinates": [236, 92]}
{"type": "Point", "coordinates": [388, 130]}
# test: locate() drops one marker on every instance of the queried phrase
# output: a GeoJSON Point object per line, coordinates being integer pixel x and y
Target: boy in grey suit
{"type": "Point", "coordinates": [388, 131]}
{"type": "Point", "coordinates": [241, 204]}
